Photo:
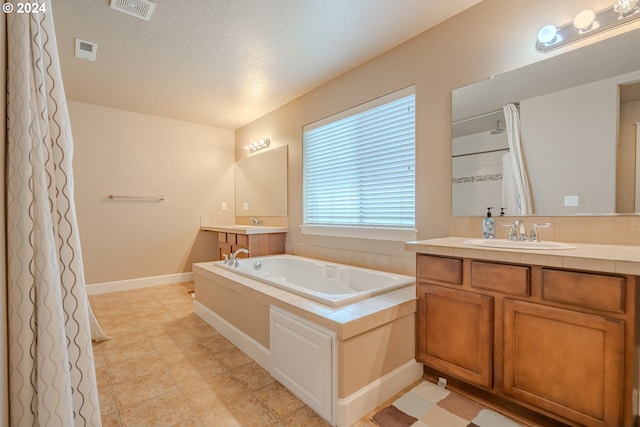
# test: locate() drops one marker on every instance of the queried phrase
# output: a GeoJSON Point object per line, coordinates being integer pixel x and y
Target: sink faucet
{"type": "Point", "coordinates": [233, 261]}
{"type": "Point", "coordinates": [534, 231]}
{"type": "Point", "coordinates": [256, 222]}
{"type": "Point", "coordinates": [518, 231]}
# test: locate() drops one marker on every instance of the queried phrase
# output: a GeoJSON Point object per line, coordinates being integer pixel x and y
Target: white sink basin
{"type": "Point", "coordinates": [512, 244]}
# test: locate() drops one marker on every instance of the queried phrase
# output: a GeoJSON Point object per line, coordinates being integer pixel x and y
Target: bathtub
{"type": "Point", "coordinates": [325, 282]}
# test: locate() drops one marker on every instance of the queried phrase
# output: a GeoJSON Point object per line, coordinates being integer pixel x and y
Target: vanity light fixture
{"type": "Point", "coordinates": [586, 23]}
{"type": "Point", "coordinates": [258, 145]}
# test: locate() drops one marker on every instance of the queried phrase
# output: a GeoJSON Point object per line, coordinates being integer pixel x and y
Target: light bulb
{"type": "Point", "coordinates": [624, 7]}
{"type": "Point", "coordinates": [584, 20]}
{"type": "Point", "coordinates": [547, 34]}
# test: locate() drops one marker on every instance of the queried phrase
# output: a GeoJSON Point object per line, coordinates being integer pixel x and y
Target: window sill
{"type": "Point", "coordinates": [374, 233]}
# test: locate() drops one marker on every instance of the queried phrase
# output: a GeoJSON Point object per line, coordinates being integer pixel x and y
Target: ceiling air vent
{"type": "Point", "coordinates": [139, 8]}
{"type": "Point", "coordinates": [86, 50]}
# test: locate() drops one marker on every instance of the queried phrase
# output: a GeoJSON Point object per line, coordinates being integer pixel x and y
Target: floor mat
{"type": "Point", "coordinates": [393, 417]}
{"type": "Point", "coordinates": [427, 405]}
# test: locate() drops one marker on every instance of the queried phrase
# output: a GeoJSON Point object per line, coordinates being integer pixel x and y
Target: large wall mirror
{"type": "Point", "coordinates": [579, 126]}
{"type": "Point", "coordinates": [261, 184]}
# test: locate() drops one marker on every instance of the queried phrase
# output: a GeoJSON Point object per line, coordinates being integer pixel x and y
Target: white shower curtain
{"type": "Point", "coordinates": [52, 380]}
{"type": "Point", "coordinates": [523, 201]}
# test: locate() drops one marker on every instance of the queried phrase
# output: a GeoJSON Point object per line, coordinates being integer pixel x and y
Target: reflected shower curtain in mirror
{"type": "Point", "coordinates": [519, 182]}
{"type": "Point", "coordinates": [52, 379]}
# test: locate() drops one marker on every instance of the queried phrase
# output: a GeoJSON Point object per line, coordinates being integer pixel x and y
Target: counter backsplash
{"type": "Point", "coordinates": [608, 230]}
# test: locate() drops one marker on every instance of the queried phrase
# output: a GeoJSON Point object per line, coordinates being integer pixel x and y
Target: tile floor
{"type": "Point", "coordinates": [166, 367]}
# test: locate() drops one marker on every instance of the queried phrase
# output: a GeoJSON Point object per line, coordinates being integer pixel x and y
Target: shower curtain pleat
{"type": "Point", "coordinates": [524, 202]}
{"type": "Point", "coordinates": [52, 379]}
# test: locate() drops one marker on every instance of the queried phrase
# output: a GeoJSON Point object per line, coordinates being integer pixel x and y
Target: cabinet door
{"type": "Point", "coordinates": [224, 249]}
{"type": "Point", "coordinates": [455, 333]}
{"type": "Point", "coordinates": [302, 360]}
{"type": "Point", "coordinates": [567, 362]}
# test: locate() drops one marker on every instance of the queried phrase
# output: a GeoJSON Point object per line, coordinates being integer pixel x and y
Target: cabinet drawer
{"type": "Point", "coordinates": [508, 279]}
{"type": "Point", "coordinates": [597, 291]}
{"type": "Point", "coordinates": [442, 269]}
{"type": "Point", "coordinates": [242, 240]}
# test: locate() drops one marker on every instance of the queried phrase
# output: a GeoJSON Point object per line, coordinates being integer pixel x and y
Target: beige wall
{"type": "Point", "coordinates": [129, 153]}
{"type": "Point", "coordinates": [490, 38]}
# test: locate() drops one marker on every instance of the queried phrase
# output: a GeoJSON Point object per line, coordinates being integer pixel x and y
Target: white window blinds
{"type": "Point", "coordinates": [359, 166]}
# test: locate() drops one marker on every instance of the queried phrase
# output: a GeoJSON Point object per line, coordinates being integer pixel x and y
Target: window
{"type": "Point", "coordinates": [359, 169]}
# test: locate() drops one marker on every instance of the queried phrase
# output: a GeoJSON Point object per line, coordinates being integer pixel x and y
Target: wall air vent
{"type": "Point", "coordinates": [139, 8]}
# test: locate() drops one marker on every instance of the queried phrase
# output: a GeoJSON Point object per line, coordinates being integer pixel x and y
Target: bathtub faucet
{"type": "Point", "coordinates": [233, 261]}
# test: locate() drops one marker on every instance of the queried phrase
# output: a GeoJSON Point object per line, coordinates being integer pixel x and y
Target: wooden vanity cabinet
{"type": "Point", "coordinates": [258, 244]}
{"type": "Point", "coordinates": [557, 342]}
{"type": "Point", "coordinates": [456, 330]}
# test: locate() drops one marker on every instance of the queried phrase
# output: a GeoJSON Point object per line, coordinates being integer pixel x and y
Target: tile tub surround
{"type": "Point", "coordinates": [375, 337]}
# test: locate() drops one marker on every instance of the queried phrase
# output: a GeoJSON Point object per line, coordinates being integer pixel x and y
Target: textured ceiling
{"type": "Point", "coordinates": [227, 62]}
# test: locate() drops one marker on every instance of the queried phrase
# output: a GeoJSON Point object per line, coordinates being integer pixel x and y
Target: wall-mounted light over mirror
{"type": "Point", "coordinates": [258, 145]}
{"type": "Point", "coordinates": [587, 23]}
{"type": "Point", "coordinates": [261, 183]}
{"type": "Point", "coordinates": [578, 114]}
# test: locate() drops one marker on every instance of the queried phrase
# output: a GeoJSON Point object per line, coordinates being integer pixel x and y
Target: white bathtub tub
{"type": "Point", "coordinates": [329, 283]}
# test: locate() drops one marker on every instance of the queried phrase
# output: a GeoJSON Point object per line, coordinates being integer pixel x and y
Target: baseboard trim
{"type": "Point", "coordinates": [244, 342]}
{"type": "Point", "coordinates": [365, 400]}
{"type": "Point", "coordinates": [143, 282]}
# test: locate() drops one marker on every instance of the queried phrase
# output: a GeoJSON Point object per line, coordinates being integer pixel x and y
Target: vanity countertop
{"type": "Point", "coordinates": [592, 257]}
{"type": "Point", "coordinates": [244, 229]}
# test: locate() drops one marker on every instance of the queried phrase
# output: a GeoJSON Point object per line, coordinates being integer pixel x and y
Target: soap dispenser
{"type": "Point", "coordinates": [488, 226]}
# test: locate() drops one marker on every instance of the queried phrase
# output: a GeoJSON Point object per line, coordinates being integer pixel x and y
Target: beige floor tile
{"type": "Point", "coordinates": [179, 352]}
{"type": "Point", "coordinates": [136, 348]}
{"type": "Point", "coordinates": [99, 358]}
{"type": "Point", "coordinates": [244, 411]}
{"type": "Point", "coordinates": [110, 420]}
{"type": "Point", "coordinates": [193, 422]}
{"type": "Point", "coordinates": [117, 325]}
{"type": "Point", "coordinates": [278, 399]}
{"type": "Point", "coordinates": [110, 300]}
{"type": "Point", "coordinates": [136, 390]}
{"type": "Point", "coordinates": [165, 410]}
{"type": "Point", "coordinates": [107, 401]}
{"type": "Point", "coordinates": [131, 336]}
{"type": "Point", "coordinates": [213, 391]}
{"type": "Point", "coordinates": [188, 370]}
{"type": "Point", "coordinates": [156, 318]}
{"type": "Point", "coordinates": [233, 358]}
{"type": "Point", "coordinates": [191, 320]}
{"type": "Point", "coordinates": [253, 376]}
{"type": "Point", "coordinates": [135, 367]}
{"type": "Point", "coordinates": [216, 343]}
{"type": "Point", "coordinates": [304, 417]}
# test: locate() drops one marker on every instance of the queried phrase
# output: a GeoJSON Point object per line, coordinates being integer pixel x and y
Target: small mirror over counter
{"type": "Point", "coordinates": [578, 115]}
{"type": "Point", "coordinates": [261, 183]}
